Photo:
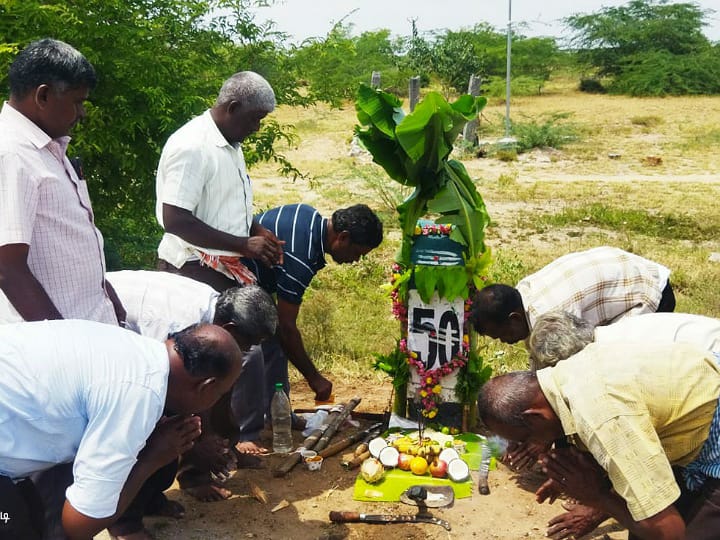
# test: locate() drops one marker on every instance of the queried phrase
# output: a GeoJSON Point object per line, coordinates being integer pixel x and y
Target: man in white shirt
{"type": "Point", "coordinates": [95, 394]}
{"type": "Point", "coordinates": [159, 303]}
{"type": "Point", "coordinates": [51, 254]}
{"type": "Point", "coordinates": [602, 285]}
{"type": "Point", "coordinates": [204, 195]}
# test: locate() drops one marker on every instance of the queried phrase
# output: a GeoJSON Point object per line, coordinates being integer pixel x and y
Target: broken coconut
{"type": "Point", "coordinates": [372, 470]}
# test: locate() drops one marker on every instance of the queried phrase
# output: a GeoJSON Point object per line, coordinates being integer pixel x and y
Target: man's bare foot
{"type": "Point", "coordinates": [208, 492]}
{"type": "Point", "coordinates": [139, 535]}
{"type": "Point", "coordinates": [250, 447]}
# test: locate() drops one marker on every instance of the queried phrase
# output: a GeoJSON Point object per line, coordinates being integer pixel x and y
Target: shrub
{"type": "Point", "coordinates": [549, 131]}
{"type": "Point", "coordinates": [519, 86]}
{"type": "Point", "coordinates": [591, 86]}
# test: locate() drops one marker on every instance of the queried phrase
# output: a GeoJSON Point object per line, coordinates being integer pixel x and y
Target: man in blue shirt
{"type": "Point", "coordinates": [346, 236]}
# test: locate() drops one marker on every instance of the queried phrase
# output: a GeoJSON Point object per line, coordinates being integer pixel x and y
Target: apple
{"type": "Point", "coordinates": [404, 461]}
{"type": "Point", "coordinates": [438, 468]}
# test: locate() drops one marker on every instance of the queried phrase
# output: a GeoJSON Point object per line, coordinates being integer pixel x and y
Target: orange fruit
{"type": "Point", "coordinates": [419, 465]}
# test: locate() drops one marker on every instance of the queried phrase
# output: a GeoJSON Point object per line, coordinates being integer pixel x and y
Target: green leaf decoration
{"type": "Point", "coordinates": [425, 280]}
{"type": "Point", "coordinates": [395, 364]}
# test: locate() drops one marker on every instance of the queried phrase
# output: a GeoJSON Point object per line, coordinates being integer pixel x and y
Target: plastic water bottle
{"type": "Point", "coordinates": [281, 421]}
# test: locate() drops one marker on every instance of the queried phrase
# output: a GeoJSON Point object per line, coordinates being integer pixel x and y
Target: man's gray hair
{"type": "Point", "coordinates": [558, 335]}
{"type": "Point", "coordinates": [250, 308]}
{"type": "Point", "coordinates": [250, 89]}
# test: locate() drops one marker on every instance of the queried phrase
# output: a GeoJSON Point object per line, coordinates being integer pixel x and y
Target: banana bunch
{"type": "Point", "coordinates": [427, 448]}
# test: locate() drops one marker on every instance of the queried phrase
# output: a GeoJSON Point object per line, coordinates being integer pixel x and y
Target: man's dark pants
{"type": "Point", "coordinates": [51, 486]}
{"type": "Point", "coordinates": [21, 511]}
{"type": "Point", "coordinates": [700, 510]}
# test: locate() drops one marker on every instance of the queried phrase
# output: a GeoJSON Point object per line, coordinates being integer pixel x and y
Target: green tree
{"type": "Point", "coordinates": [159, 63]}
{"type": "Point", "coordinates": [454, 59]}
{"type": "Point", "coordinates": [335, 64]}
{"type": "Point", "coordinates": [648, 47]}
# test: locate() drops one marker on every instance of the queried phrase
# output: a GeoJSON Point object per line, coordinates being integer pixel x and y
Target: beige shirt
{"type": "Point", "coordinates": [600, 285]}
{"type": "Point", "coordinates": [638, 409]}
{"type": "Point", "coordinates": [44, 205]}
{"type": "Point", "coordinates": [201, 172]}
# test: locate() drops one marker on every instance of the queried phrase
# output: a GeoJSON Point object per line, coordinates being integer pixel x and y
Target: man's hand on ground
{"type": "Point", "coordinates": [550, 491]}
{"type": "Point", "coordinates": [172, 436]}
{"type": "Point", "coordinates": [578, 521]}
{"type": "Point", "coordinates": [321, 386]}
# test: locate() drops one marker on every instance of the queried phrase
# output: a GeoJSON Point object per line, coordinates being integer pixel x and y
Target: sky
{"type": "Point", "coordinates": [314, 18]}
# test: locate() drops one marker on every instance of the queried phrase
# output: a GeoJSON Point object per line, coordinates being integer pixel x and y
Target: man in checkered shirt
{"type": "Point", "coordinates": [600, 285]}
{"type": "Point", "coordinates": [51, 254]}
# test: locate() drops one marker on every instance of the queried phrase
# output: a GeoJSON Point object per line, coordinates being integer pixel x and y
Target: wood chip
{"type": "Point", "coordinates": [257, 492]}
{"type": "Point", "coordinates": [279, 506]}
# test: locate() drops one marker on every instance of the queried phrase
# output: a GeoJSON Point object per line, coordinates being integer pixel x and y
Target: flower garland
{"type": "Point", "coordinates": [430, 387]}
{"type": "Point", "coordinates": [433, 229]}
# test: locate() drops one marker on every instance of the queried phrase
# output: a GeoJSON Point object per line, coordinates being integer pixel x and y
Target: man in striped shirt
{"type": "Point", "coordinates": [348, 235]}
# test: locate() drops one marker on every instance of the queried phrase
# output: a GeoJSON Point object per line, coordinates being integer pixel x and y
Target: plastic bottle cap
{"type": "Point", "coordinates": [279, 386]}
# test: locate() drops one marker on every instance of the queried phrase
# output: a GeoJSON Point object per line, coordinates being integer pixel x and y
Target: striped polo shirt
{"type": "Point", "coordinates": [303, 229]}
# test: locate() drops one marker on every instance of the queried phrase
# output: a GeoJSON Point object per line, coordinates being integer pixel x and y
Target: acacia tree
{"type": "Point", "coordinates": [159, 62]}
{"type": "Point", "coordinates": [648, 47]}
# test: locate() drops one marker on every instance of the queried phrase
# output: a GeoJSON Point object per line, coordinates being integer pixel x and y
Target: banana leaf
{"type": "Point", "coordinates": [458, 206]}
{"type": "Point", "coordinates": [414, 149]}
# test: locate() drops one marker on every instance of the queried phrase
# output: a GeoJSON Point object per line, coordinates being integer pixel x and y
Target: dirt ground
{"type": "Point", "coordinates": [509, 512]}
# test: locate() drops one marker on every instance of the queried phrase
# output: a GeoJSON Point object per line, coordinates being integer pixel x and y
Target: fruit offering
{"type": "Point", "coordinates": [426, 448]}
{"type": "Point", "coordinates": [404, 461]}
{"type": "Point", "coordinates": [372, 471]}
{"type": "Point", "coordinates": [438, 468]}
{"type": "Point", "coordinates": [419, 465]}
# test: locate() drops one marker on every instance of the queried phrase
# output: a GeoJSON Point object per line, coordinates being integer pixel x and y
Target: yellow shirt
{"type": "Point", "coordinates": [638, 409]}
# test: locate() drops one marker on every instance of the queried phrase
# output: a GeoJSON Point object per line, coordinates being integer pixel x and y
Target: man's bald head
{"type": "Point", "coordinates": [514, 406]}
{"type": "Point", "coordinates": [204, 361]}
{"type": "Point", "coordinates": [207, 350]}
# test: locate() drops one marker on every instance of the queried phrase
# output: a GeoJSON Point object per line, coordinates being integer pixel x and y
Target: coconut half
{"type": "Point", "coordinates": [458, 470]}
{"type": "Point", "coordinates": [448, 454]}
{"type": "Point", "coordinates": [376, 445]}
{"type": "Point", "coordinates": [389, 456]}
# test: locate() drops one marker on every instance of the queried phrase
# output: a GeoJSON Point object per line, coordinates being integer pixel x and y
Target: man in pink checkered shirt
{"type": "Point", "coordinates": [51, 254]}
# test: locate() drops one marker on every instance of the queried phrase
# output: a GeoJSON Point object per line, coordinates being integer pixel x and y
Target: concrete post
{"type": "Point", "coordinates": [470, 129]}
{"type": "Point", "coordinates": [414, 92]}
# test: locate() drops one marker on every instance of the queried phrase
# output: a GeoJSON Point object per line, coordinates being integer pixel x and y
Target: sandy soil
{"type": "Point", "coordinates": [509, 512]}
